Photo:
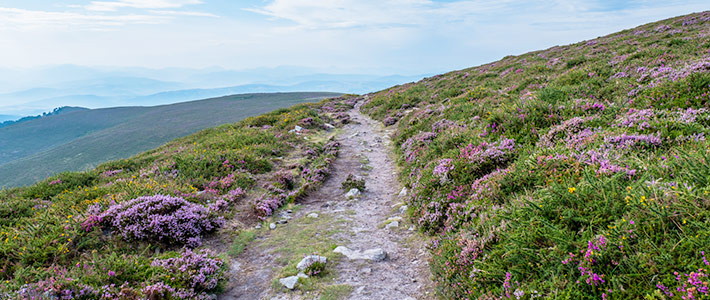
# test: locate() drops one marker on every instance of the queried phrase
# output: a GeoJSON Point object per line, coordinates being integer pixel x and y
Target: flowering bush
{"type": "Point", "coordinates": [163, 218]}
{"type": "Point", "coordinates": [579, 172]}
{"type": "Point", "coordinates": [389, 121]}
{"type": "Point", "coordinates": [352, 182]}
{"type": "Point", "coordinates": [50, 247]}
{"type": "Point", "coordinates": [193, 271]}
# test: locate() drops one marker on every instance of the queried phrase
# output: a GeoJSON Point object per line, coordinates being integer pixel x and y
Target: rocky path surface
{"type": "Point", "coordinates": [383, 256]}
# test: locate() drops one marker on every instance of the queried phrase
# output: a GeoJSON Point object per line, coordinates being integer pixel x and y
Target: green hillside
{"type": "Point", "coordinates": [576, 172]}
{"type": "Point", "coordinates": [52, 233]}
{"type": "Point", "coordinates": [36, 149]}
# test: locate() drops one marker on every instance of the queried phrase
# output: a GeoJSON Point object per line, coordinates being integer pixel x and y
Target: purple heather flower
{"type": "Point", "coordinates": [167, 219]}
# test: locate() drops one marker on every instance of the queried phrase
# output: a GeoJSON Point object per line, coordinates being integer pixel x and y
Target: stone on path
{"type": "Point", "coordinates": [272, 226]}
{"type": "Point", "coordinates": [308, 260]}
{"type": "Point", "coordinates": [312, 215]}
{"type": "Point", "coordinates": [289, 282]}
{"type": "Point", "coordinates": [352, 193]}
{"type": "Point", "coordinates": [403, 193]}
{"type": "Point", "coordinates": [392, 225]}
{"type": "Point", "coordinates": [395, 218]}
{"type": "Point", "coordinates": [376, 254]}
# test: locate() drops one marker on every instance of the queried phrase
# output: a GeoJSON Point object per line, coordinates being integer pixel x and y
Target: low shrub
{"type": "Point", "coordinates": [352, 182]}
{"type": "Point", "coordinates": [166, 219]}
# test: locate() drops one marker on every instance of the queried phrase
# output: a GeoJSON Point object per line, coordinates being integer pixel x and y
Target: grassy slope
{"type": "Point", "coordinates": [79, 141]}
{"type": "Point", "coordinates": [576, 172]}
{"type": "Point", "coordinates": [55, 237]}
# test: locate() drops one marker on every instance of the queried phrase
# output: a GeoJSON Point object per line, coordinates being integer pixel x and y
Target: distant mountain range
{"type": "Point", "coordinates": [33, 91]}
{"type": "Point", "coordinates": [82, 138]}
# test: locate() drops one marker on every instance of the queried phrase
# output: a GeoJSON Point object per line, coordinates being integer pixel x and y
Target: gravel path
{"type": "Point", "coordinates": [404, 274]}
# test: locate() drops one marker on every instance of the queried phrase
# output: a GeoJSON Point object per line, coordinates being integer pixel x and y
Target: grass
{"type": "Point", "coordinates": [241, 242]}
{"type": "Point", "coordinates": [301, 237]}
{"type": "Point", "coordinates": [575, 172]}
{"type": "Point", "coordinates": [81, 140]}
{"type": "Point", "coordinates": [58, 235]}
{"type": "Point", "coordinates": [336, 292]}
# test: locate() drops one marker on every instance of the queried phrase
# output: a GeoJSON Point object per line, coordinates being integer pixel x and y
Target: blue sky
{"type": "Point", "coordinates": [344, 36]}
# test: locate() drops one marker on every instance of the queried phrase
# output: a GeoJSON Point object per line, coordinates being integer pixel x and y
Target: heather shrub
{"type": "Point", "coordinates": [692, 91]}
{"type": "Point", "coordinates": [315, 268]}
{"type": "Point", "coordinates": [352, 182]}
{"type": "Point", "coordinates": [580, 172]}
{"type": "Point", "coordinates": [96, 235]}
{"type": "Point", "coordinates": [166, 219]}
{"type": "Point", "coordinates": [193, 272]}
{"type": "Point", "coordinates": [283, 188]}
{"type": "Point", "coordinates": [210, 165]}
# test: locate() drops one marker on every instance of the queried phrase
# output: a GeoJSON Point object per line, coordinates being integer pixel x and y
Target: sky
{"type": "Point", "coordinates": [338, 36]}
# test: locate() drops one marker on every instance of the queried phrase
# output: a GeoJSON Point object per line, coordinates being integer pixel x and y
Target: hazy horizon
{"type": "Point", "coordinates": [122, 52]}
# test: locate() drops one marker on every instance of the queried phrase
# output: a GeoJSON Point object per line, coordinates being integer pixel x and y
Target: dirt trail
{"type": "Point", "coordinates": [404, 274]}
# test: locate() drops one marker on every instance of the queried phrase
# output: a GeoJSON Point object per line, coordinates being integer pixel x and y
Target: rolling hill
{"type": "Point", "coordinates": [36, 149]}
{"type": "Point", "coordinates": [576, 172]}
{"type": "Point", "coordinates": [33, 91]}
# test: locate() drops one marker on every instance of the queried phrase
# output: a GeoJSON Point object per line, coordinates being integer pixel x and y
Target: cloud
{"type": "Point", "coordinates": [31, 19]}
{"type": "Point", "coordinates": [99, 15]}
{"type": "Point", "coordinates": [140, 4]}
{"type": "Point", "coordinates": [374, 13]}
{"type": "Point", "coordinates": [183, 13]}
{"type": "Point", "coordinates": [346, 14]}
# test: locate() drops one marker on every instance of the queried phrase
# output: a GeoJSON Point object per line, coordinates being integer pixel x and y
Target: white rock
{"type": "Point", "coordinates": [296, 129]}
{"type": "Point", "coordinates": [312, 215]}
{"type": "Point", "coordinates": [302, 275]}
{"type": "Point", "coordinates": [272, 226]}
{"type": "Point", "coordinates": [352, 193]}
{"type": "Point", "coordinates": [403, 193]}
{"type": "Point", "coordinates": [403, 209]}
{"type": "Point", "coordinates": [285, 215]}
{"type": "Point", "coordinates": [393, 224]}
{"type": "Point", "coordinates": [289, 282]}
{"type": "Point", "coordinates": [306, 261]}
{"type": "Point", "coordinates": [329, 126]}
{"type": "Point", "coordinates": [395, 219]}
{"type": "Point", "coordinates": [376, 254]}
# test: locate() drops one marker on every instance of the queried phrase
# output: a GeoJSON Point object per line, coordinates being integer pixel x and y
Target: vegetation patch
{"type": "Point", "coordinates": [300, 238]}
{"type": "Point", "coordinates": [583, 176]}
{"type": "Point", "coordinates": [352, 182]}
{"type": "Point", "coordinates": [133, 229]}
